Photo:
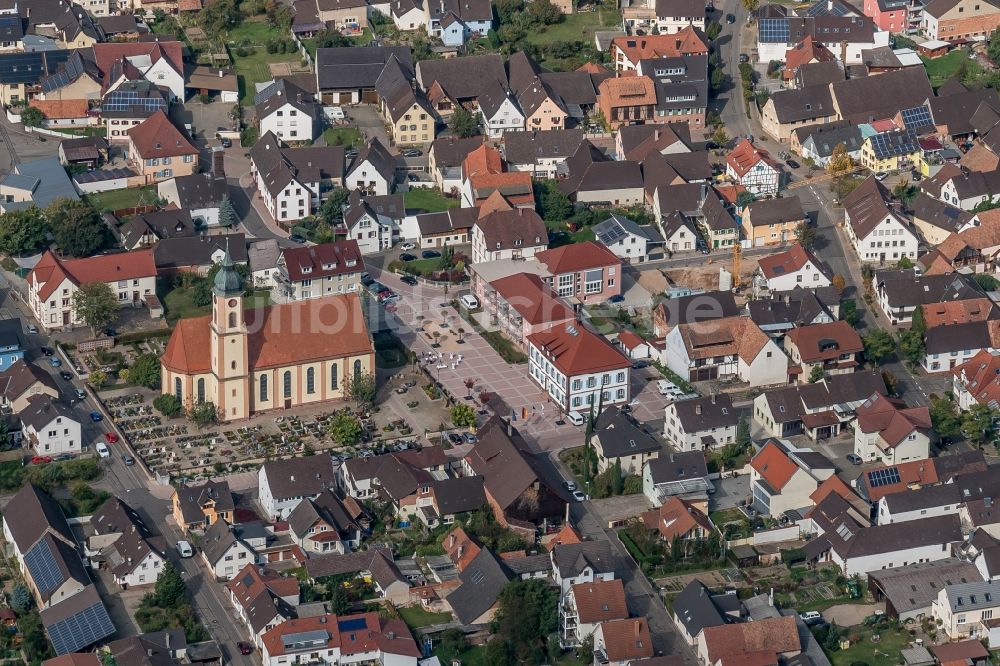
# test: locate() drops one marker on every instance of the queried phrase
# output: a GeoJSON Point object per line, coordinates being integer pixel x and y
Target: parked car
{"type": "Point", "coordinates": [295, 238]}
{"type": "Point", "coordinates": [111, 438]}
{"type": "Point", "coordinates": [407, 246]}
{"type": "Point", "coordinates": [409, 279]}
{"type": "Point", "coordinates": [810, 618]}
{"type": "Point", "coordinates": [454, 438]}
{"type": "Point", "coordinates": [412, 152]}
{"type": "Point", "coordinates": [854, 459]}
{"type": "Point", "coordinates": [578, 496]}
{"type": "Point", "coordinates": [244, 647]}
{"type": "Point", "coordinates": [469, 301]}
{"type": "Point", "coordinates": [47, 351]}
{"type": "Point", "coordinates": [96, 417]}
{"type": "Point", "coordinates": [102, 450]}
{"type": "Point", "coordinates": [744, 58]}
{"type": "Point", "coordinates": [41, 460]}
{"type": "Point", "coordinates": [32, 329]}
{"type": "Point", "coordinates": [54, 362]}
{"type": "Point", "coordinates": [406, 256]}
{"type": "Point", "coordinates": [881, 175]}
{"type": "Point", "coordinates": [185, 550]}
{"type": "Point", "coordinates": [128, 460]}
{"type": "Point", "coordinates": [916, 176]}
{"type": "Point", "coordinates": [792, 163]}
{"type": "Point", "coordinates": [110, 332]}
{"type": "Point", "coordinates": [80, 394]}
{"type": "Point", "coordinates": [430, 254]}
{"type": "Point", "coordinates": [569, 485]}
{"type": "Point", "coordinates": [367, 279]}
{"type": "Point", "coordinates": [66, 375]}
{"type": "Point", "coordinates": [617, 298]}
{"type": "Point", "coordinates": [470, 438]}
{"type": "Point", "coordinates": [227, 143]}
{"type": "Point", "coordinates": [730, 18]}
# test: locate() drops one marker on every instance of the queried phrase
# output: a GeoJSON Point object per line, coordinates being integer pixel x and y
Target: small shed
{"type": "Point", "coordinates": [745, 556]}
{"type": "Point", "coordinates": [933, 48]}
{"type": "Point", "coordinates": [962, 653]}
{"type": "Point", "coordinates": [917, 655]}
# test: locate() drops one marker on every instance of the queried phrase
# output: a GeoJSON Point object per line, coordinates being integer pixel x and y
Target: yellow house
{"type": "Point", "coordinates": [772, 221]}
{"type": "Point", "coordinates": [408, 115]}
{"type": "Point", "coordinates": [157, 150]}
{"type": "Point", "coordinates": [199, 507]}
{"type": "Point", "coordinates": [541, 112]}
{"type": "Point", "coordinates": [894, 150]}
{"type": "Point", "coordinates": [246, 362]}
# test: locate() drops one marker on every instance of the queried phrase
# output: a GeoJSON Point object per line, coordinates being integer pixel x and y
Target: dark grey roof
{"type": "Point", "coordinates": [355, 67]}
{"type": "Point", "coordinates": [377, 562]}
{"type": "Point", "coordinates": [776, 211]}
{"type": "Point", "coordinates": [43, 410]}
{"type": "Point", "coordinates": [281, 92]}
{"type": "Point", "coordinates": [690, 166]}
{"type": "Point", "coordinates": [10, 333]}
{"type": "Point", "coordinates": [620, 435]}
{"type": "Point", "coordinates": [695, 609]}
{"type": "Point", "coordinates": [451, 151]}
{"type": "Point", "coordinates": [299, 477]}
{"type": "Point", "coordinates": [918, 584]}
{"type": "Point", "coordinates": [869, 98]}
{"type": "Point", "coordinates": [30, 514]}
{"type": "Point", "coordinates": [926, 208]}
{"type": "Point", "coordinates": [958, 337]}
{"type": "Point", "coordinates": [956, 111]}
{"type": "Point", "coordinates": [51, 563]}
{"type": "Point", "coordinates": [217, 541]}
{"type": "Point", "coordinates": [928, 497]}
{"type": "Point", "coordinates": [570, 559]}
{"type": "Point", "coordinates": [531, 146]}
{"type": "Point", "coordinates": [463, 78]}
{"type": "Point", "coordinates": [678, 91]}
{"type": "Point", "coordinates": [978, 485]}
{"type": "Point", "coordinates": [113, 25]}
{"type": "Point", "coordinates": [529, 564]}
{"type": "Point", "coordinates": [183, 251]}
{"type": "Point", "coordinates": [800, 104]}
{"type": "Point", "coordinates": [459, 495]}
{"type": "Point", "coordinates": [191, 499]}
{"type": "Point", "coordinates": [819, 73]}
{"type": "Point", "coordinates": [824, 140]}
{"type": "Point", "coordinates": [200, 190]}
{"type": "Point", "coordinates": [698, 307]}
{"type": "Point", "coordinates": [378, 157]}
{"type": "Point", "coordinates": [482, 581]}
{"type": "Point", "coordinates": [708, 413]}
{"type": "Point", "coordinates": [591, 170]}
{"type": "Point", "coordinates": [32, 66]}
{"type": "Point", "coordinates": [449, 221]}
{"type": "Point", "coordinates": [280, 165]}
{"type": "Point", "coordinates": [172, 223]}
{"type": "Point", "coordinates": [788, 404]}
{"type": "Point", "coordinates": [884, 539]}
{"type": "Point", "coordinates": [904, 289]}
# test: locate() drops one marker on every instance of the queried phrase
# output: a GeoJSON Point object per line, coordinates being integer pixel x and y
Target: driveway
{"type": "Point", "coordinates": [849, 615]}
{"type": "Point", "coordinates": [365, 117]}
{"type": "Point", "coordinates": [729, 492]}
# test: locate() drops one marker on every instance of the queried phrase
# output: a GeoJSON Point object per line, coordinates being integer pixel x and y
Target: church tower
{"type": "Point", "coordinates": [229, 343]}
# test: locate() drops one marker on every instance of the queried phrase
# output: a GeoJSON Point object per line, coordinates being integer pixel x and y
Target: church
{"type": "Point", "coordinates": [276, 357]}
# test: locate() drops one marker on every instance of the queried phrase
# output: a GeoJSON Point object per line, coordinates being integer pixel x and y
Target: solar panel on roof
{"type": "Point", "coordinates": [80, 630]}
{"type": "Point", "coordinates": [127, 100]}
{"type": "Point", "coordinates": [883, 477]}
{"type": "Point", "coordinates": [44, 569]}
{"type": "Point", "coordinates": [353, 624]}
{"type": "Point", "coordinates": [917, 117]}
{"type": "Point", "coordinates": [774, 30]}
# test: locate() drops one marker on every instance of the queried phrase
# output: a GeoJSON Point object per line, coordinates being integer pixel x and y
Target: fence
{"type": "Point", "coordinates": [93, 345]}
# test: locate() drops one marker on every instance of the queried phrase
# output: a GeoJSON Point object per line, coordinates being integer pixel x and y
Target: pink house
{"type": "Point", "coordinates": [890, 15]}
{"type": "Point", "coordinates": [588, 271]}
{"type": "Point", "coordinates": [522, 305]}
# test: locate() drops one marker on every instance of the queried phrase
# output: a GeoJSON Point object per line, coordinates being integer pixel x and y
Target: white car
{"type": "Point", "coordinates": [102, 450]}
{"type": "Point", "coordinates": [407, 246]}
{"type": "Point", "coordinates": [666, 387]}
{"type": "Point", "coordinates": [184, 549]}
{"type": "Point", "coordinates": [578, 496]}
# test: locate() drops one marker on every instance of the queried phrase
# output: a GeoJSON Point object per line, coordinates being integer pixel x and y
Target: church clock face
{"type": "Point", "coordinates": [232, 302]}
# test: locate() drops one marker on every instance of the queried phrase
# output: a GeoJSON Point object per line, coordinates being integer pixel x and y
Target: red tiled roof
{"type": "Point", "coordinates": [787, 262]}
{"type": "Point", "coordinates": [982, 377]}
{"type": "Point", "coordinates": [892, 419]}
{"type": "Point", "coordinates": [806, 51]}
{"type": "Point", "coordinates": [626, 640]}
{"type": "Point", "coordinates": [362, 633]}
{"type": "Point", "coordinates": [251, 581]}
{"type": "Point", "coordinates": [957, 312]}
{"type": "Point", "coordinates": [49, 272]}
{"type": "Point", "coordinates": [683, 42]}
{"type": "Point", "coordinates": [336, 258]}
{"type": "Point", "coordinates": [777, 635]}
{"type": "Point", "coordinates": [722, 337]}
{"type": "Point", "coordinates": [158, 137]}
{"type": "Point", "coordinates": [533, 299]}
{"type": "Point", "coordinates": [744, 156]}
{"type": "Point", "coordinates": [484, 159]}
{"type": "Point", "coordinates": [56, 109]}
{"type": "Point", "coordinates": [630, 340]}
{"type": "Point", "coordinates": [600, 601]}
{"type": "Point", "coordinates": [774, 465]}
{"type": "Point", "coordinates": [824, 342]}
{"type": "Point", "coordinates": [631, 90]}
{"type": "Point", "coordinates": [676, 518]}
{"type": "Point", "coordinates": [575, 351]}
{"type": "Point", "coordinates": [106, 54]}
{"type": "Point", "coordinates": [460, 547]}
{"type": "Point", "coordinates": [280, 335]}
{"type": "Point", "coordinates": [577, 257]}
{"type": "Point", "coordinates": [920, 472]}
{"type": "Point", "coordinates": [272, 638]}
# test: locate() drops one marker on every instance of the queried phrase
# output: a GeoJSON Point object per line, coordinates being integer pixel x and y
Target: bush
{"type": "Point", "coordinates": [168, 405]}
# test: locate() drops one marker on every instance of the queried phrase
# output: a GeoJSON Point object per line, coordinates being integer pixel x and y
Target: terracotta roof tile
{"type": "Point", "coordinates": [61, 108]}
{"type": "Point", "coordinates": [533, 299]}
{"type": "Point", "coordinates": [744, 156]}
{"type": "Point", "coordinates": [825, 342]}
{"type": "Point", "coordinates": [683, 42]}
{"type": "Point", "coordinates": [625, 640]}
{"type": "Point", "coordinates": [774, 465]}
{"type": "Point", "coordinates": [575, 351]}
{"type": "Point", "coordinates": [777, 635]}
{"type": "Point", "coordinates": [577, 257]}
{"type": "Point", "coordinates": [106, 54]}
{"type": "Point", "coordinates": [50, 271]}
{"type": "Point", "coordinates": [157, 137]}
{"type": "Point", "coordinates": [722, 337]}
{"type": "Point", "coordinates": [958, 312]}
{"type": "Point", "coordinates": [790, 261]}
{"type": "Point", "coordinates": [600, 601]}
{"type": "Point", "coordinates": [892, 419]}
{"type": "Point", "coordinates": [982, 377]}
{"type": "Point", "coordinates": [628, 90]}
{"type": "Point", "coordinates": [676, 518]}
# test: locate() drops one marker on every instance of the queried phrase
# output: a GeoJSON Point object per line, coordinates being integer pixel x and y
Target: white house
{"type": "Point", "coordinates": [508, 234]}
{"type": "Point", "coordinates": [971, 189]}
{"type": "Point", "coordinates": [373, 170]}
{"type": "Point", "coordinates": [287, 111]}
{"type": "Point", "coordinates": [335, 640]}
{"type": "Point", "coordinates": [727, 347]}
{"type": "Point", "coordinates": [50, 427]}
{"type": "Point", "coordinates": [901, 291]}
{"type": "Point", "coordinates": [753, 168]}
{"type": "Point", "coordinates": [889, 432]}
{"type": "Point", "coordinates": [629, 241]}
{"type": "Point", "coordinates": [675, 474]}
{"type": "Point", "coordinates": [578, 369]}
{"type": "Point", "coordinates": [499, 111]}
{"type": "Point", "coordinates": [678, 230]}
{"type": "Point", "coordinates": [122, 543]}
{"type": "Point", "coordinates": [282, 484]}
{"type": "Point", "coordinates": [702, 423]}
{"type": "Point", "coordinates": [783, 477]}
{"type": "Point", "coordinates": [587, 605]}
{"type": "Point", "coordinates": [584, 562]}
{"type": "Point", "coordinates": [223, 552]}
{"type": "Point", "coordinates": [925, 502]}
{"type": "Point", "coordinates": [963, 610]}
{"type": "Point", "coordinates": [373, 231]}
{"type": "Point", "coordinates": [795, 267]}
{"type": "Point", "coordinates": [878, 231]}
{"type": "Point", "coordinates": [977, 380]}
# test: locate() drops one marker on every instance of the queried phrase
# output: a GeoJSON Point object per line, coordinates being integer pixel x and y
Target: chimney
{"type": "Point", "coordinates": [149, 652]}
{"type": "Point", "coordinates": [697, 408]}
{"type": "Point", "coordinates": [220, 73]}
{"type": "Point", "coordinates": [453, 537]}
{"type": "Point", "coordinates": [461, 551]}
{"type": "Point", "coordinates": [510, 428]}
{"type": "Point", "coordinates": [713, 398]}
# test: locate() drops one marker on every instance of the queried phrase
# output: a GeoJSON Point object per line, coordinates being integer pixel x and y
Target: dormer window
{"type": "Point", "coordinates": [352, 262]}
{"type": "Point", "coordinates": [307, 269]}
{"type": "Point", "coordinates": [498, 245]}
{"type": "Point", "coordinates": [517, 243]}
{"type": "Point", "coordinates": [329, 267]}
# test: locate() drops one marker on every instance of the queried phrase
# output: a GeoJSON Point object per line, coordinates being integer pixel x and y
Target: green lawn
{"type": "Point", "coordinates": [416, 616]}
{"type": "Point", "coordinates": [429, 200]}
{"type": "Point", "coordinates": [118, 199]}
{"type": "Point", "coordinates": [359, 40]}
{"type": "Point", "coordinates": [423, 266]}
{"type": "Point", "coordinates": [179, 304]}
{"type": "Point", "coordinates": [253, 69]}
{"type": "Point", "coordinates": [473, 656]}
{"type": "Point", "coordinates": [342, 136]}
{"type": "Point", "coordinates": [256, 33]}
{"type": "Point", "coordinates": [574, 27]}
{"type": "Point", "coordinates": [941, 69]}
{"type": "Point", "coordinates": [884, 653]}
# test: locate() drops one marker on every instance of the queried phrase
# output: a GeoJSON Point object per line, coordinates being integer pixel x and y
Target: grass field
{"type": "Point", "coordinates": [415, 616]}
{"type": "Point", "coordinates": [253, 69]}
{"type": "Point", "coordinates": [941, 69]}
{"type": "Point", "coordinates": [359, 40]}
{"type": "Point", "coordinates": [255, 33]}
{"type": "Point", "coordinates": [342, 136]}
{"type": "Point", "coordinates": [118, 199]}
{"type": "Point", "coordinates": [430, 200]}
{"type": "Point", "coordinates": [179, 304]}
{"type": "Point", "coordinates": [574, 27]}
{"type": "Point", "coordinates": [884, 653]}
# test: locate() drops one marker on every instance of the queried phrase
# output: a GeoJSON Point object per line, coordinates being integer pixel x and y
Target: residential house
{"type": "Point", "coordinates": [201, 194]}
{"type": "Point", "coordinates": [22, 381]}
{"type": "Point", "coordinates": [682, 88]}
{"type": "Point", "coordinates": [197, 254]}
{"type": "Point", "coordinates": [446, 155]}
{"type": "Point", "coordinates": [263, 598]}
{"type": "Point", "coordinates": [694, 609]}
{"type": "Point", "coordinates": [877, 228]}
{"type": "Point", "coordinates": [627, 50]}
{"type": "Point", "coordinates": [375, 564]}
{"type": "Point", "coordinates": [823, 350]}
{"type": "Point", "coordinates": [822, 140]}
{"type": "Point", "coordinates": [789, 110]}
{"type": "Point", "coordinates": [147, 229]}
{"type": "Point", "coordinates": [846, 33]}
{"type": "Point", "coordinates": [294, 181]}
{"type": "Point", "coordinates": [90, 151]}
{"type": "Point", "coordinates": [35, 183]}
{"type": "Point", "coordinates": [49, 427]}
{"type": "Point", "coordinates": [948, 346]}
{"type": "Point", "coordinates": [675, 474]}
{"type": "Point", "coordinates": [680, 519]}
{"type": "Point", "coordinates": [337, 639]}
{"type": "Point", "coordinates": [405, 109]}
{"type": "Point", "coordinates": [482, 580]}
{"type": "Point", "coordinates": [896, 586]}
{"type": "Point", "coordinates": [582, 562]}
{"type": "Point", "coordinates": [781, 311]}
{"type": "Point", "coordinates": [52, 283]}
{"type": "Point", "coordinates": [502, 232]}
{"type": "Point", "coordinates": [286, 111]}
{"type": "Point", "coordinates": [666, 17]}
{"type": "Point", "coordinates": [727, 347]}
{"type": "Point", "coordinates": [595, 178]}
{"type": "Point", "coordinates": [521, 305]}
{"type": "Point", "coordinates": [373, 222]}
{"type": "Point", "coordinates": [579, 370]}
{"type": "Point", "coordinates": [893, 150]}
{"type": "Point", "coordinates": [159, 61]}
{"type": "Point", "coordinates": [919, 503]}
{"type": "Point", "coordinates": [754, 169]}
{"type": "Point", "coordinates": [263, 257]}
{"type": "Point", "coordinates": [890, 432]}
{"type": "Point", "coordinates": [130, 104]}
{"type": "Point", "coordinates": [764, 641]}
{"type": "Point", "coordinates": [157, 150]}
{"type": "Point", "coordinates": [224, 552]}
{"type": "Point", "coordinates": [965, 609]}
{"type": "Point", "coordinates": [319, 270]}
{"type": "Point", "coordinates": [629, 241]}
{"type": "Point", "coordinates": [970, 189]}
{"type": "Point", "coordinates": [819, 410]}
{"type": "Point", "coordinates": [806, 52]}
{"type": "Point", "coordinates": [11, 344]}
{"type": "Point", "coordinates": [282, 484]}
{"type": "Point", "coordinates": [484, 174]}
{"type": "Point", "coordinates": [640, 142]}
{"type": "Point", "coordinates": [518, 492]}
{"type": "Point", "coordinates": [323, 525]}
{"type": "Point", "coordinates": [936, 220]}
{"type": "Point", "coordinates": [701, 424]}
{"type": "Point", "coordinates": [587, 605]}
{"type": "Point", "coordinates": [542, 153]}
{"type": "Point", "coordinates": [199, 507]}
{"type": "Point", "coordinates": [584, 272]}
{"type": "Point", "coordinates": [899, 292]}
{"type": "Point", "coordinates": [773, 221]}
{"type": "Point", "coordinates": [397, 478]}
{"type": "Point", "coordinates": [692, 308]}
{"type": "Point", "coordinates": [123, 544]}
{"type": "Point", "coordinates": [627, 100]}
{"type": "Point", "coordinates": [373, 171]}
{"type": "Point", "coordinates": [458, 22]}
{"type": "Point", "coordinates": [621, 642]}
{"type": "Point", "coordinates": [795, 267]}
{"type": "Point", "coordinates": [619, 440]}
{"type": "Point", "coordinates": [347, 75]}
{"type": "Point", "coordinates": [442, 501]}
{"type": "Point", "coordinates": [782, 477]}
{"type": "Point", "coordinates": [950, 21]}
{"type": "Point", "coordinates": [976, 381]}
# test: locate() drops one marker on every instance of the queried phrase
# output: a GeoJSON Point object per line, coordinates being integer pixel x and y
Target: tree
{"type": "Point", "coordinates": [227, 213]}
{"type": "Point", "coordinates": [168, 404]}
{"type": "Point", "coordinates": [146, 371]}
{"type": "Point", "coordinates": [554, 206]}
{"type": "Point", "coordinates": [451, 645]}
{"type": "Point", "coordinates": [905, 263]}
{"type": "Point", "coordinates": [345, 429]}
{"type": "Point", "coordinates": [22, 232]}
{"type": "Point", "coordinates": [743, 433]}
{"type": "Point", "coordinates": [203, 414]}
{"type": "Point", "coordinates": [96, 305]}
{"type": "Point", "coordinates": [993, 46]}
{"type": "Point", "coordinates": [340, 604]}
{"type": "Point", "coordinates": [843, 186]}
{"type": "Point", "coordinates": [849, 312]}
{"type": "Point", "coordinates": [713, 30]}
{"type": "Point", "coordinates": [544, 12]}
{"type": "Point", "coordinates": [816, 374]}
{"type": "Point", "coordinates": [744, 199]}
{"type": "Point", "coordinates": [526, 615]}
{"type": "Point", "coordinates": [362, 389]}
{"type": "Point", "coordinates": [332, 210]}
{"type": "Point", "coordinates": [911, 343]}
{"type": "Point", "coordinates": [839, 283]}
{"type": "Point", "coordinates": [879, 345]}
{"type": "Point", "coordinates": [719, 137]}
{"type": "Point", "coordinates": [840, 160]}
{"type": "Point", "coordinates": [985, 280]}
{"type": "Point", "coordinates": [20, 598]}
{"type": "Point", "coordinates": [945, 419]}
{"type": "Point", "coordinates": [97, 379]}
{"type": "Point", "coordinates": [32, 117]}
{"type": "Point", "coordinates": [218, 17]}
{"type": "Point", "coordinates": [170, 589]}
{"type": "Point", "coordinates": [463, 416]}
{"type": "Point", "coordinates": [617, 480]}
{"type": "Point", "coordinates": [463, 123]}
{"type": "Point", "coordinates": [751, 5]}
{"type": "Point", "coordinates": [977, 423]}
{"type": "Point", "coordinates": [805, 234]}
{"type": "Point", "coordinates": [76, 227]}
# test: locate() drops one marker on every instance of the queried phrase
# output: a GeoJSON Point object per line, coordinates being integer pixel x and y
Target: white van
{"type": "Point", "coordinates": [469, 301]}
{"type": "Point", "coordinates": [576, 418]}
{"type": "Point", "coordinates": [102, 450]}
{"type": "Point", "coordinates": [184, 549]}
{"type": "Point", "coordinates": [666, 387]}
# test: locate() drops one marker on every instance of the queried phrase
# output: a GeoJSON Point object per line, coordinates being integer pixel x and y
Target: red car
{"type": "Point", "coordinates": [41, 460]}
{"type": "Point", "coordinates": [111, 437]}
